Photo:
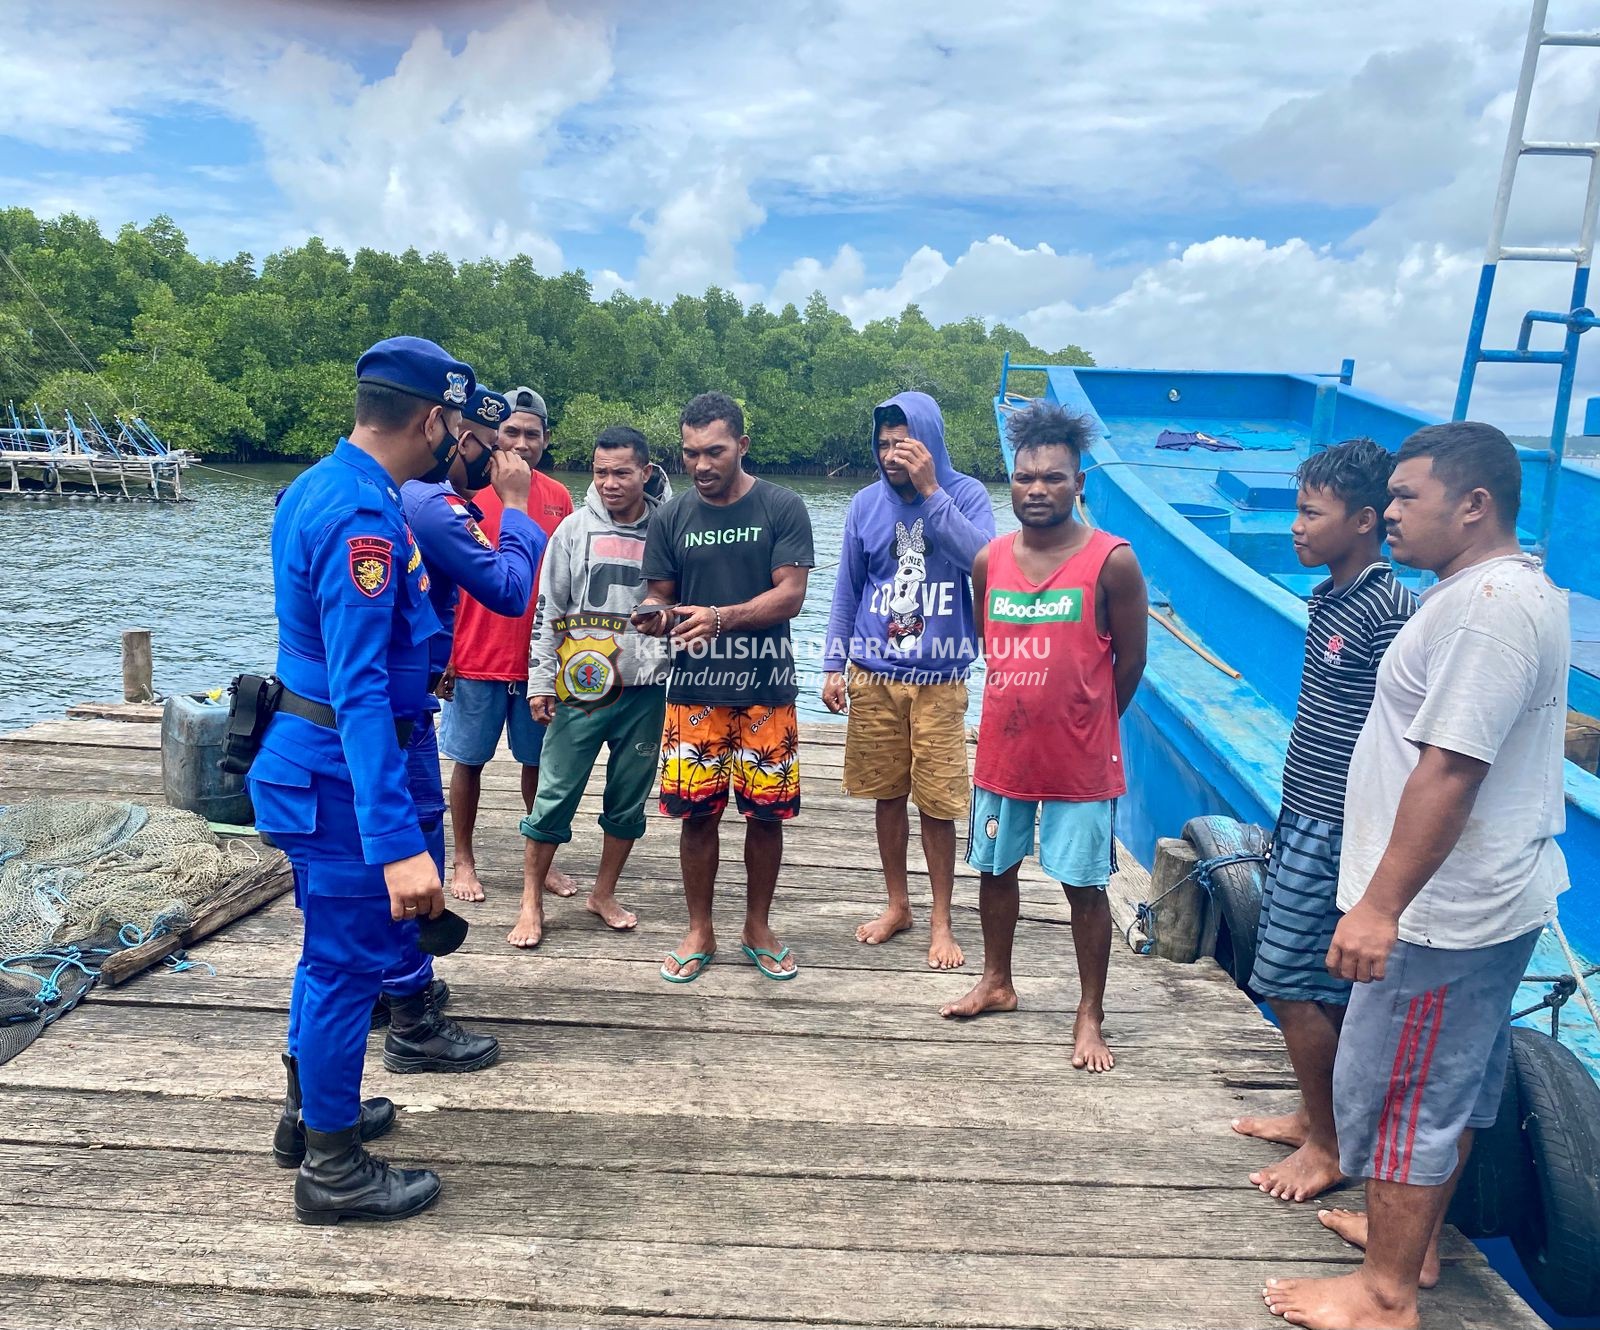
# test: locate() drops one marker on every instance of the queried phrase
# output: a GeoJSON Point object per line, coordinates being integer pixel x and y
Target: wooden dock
{"type": "Point", "coordinates": [731, 1152]}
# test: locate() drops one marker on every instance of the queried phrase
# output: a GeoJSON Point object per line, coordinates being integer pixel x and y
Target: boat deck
{"type": "Point", "coordinates": [730, 1152]}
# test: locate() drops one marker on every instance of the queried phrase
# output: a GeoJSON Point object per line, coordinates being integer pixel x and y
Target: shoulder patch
{"type": "Point", "coordinates": [476, 532]}
{"type": "Point", "coordinates": [371, 564]}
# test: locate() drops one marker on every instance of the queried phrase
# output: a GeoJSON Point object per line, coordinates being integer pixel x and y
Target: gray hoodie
{"type": "Point", "coordinates": [589, 583]}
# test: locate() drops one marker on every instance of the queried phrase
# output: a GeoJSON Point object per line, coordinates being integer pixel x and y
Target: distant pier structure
{"type": "Point", "coordinates": [84, 458]}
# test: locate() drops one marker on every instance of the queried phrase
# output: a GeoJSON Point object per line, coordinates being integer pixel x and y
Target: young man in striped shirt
{"type": "Point", "coordinates": [1354, 616]}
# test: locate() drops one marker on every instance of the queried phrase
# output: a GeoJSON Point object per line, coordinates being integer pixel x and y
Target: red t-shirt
{"type": "Point", "coordinates": [1049, 724]}
{"type": "Point", "coordinates": [495, 646]}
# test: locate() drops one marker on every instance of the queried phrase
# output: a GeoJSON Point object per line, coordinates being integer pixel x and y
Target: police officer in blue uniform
{"type": "Point", "coordinates": [456, 554]}
{"type": "Point", "coordinates": [329, 783]}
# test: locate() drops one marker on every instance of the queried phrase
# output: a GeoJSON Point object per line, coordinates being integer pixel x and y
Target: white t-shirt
{"type": "Point", "coordinates": [1481, 670]}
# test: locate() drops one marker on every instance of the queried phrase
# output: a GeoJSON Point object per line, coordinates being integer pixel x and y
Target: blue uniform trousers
{"type": "Point", "coordinates": [349, 943]}
{"type": "Point", "coordinates": [413, 971]}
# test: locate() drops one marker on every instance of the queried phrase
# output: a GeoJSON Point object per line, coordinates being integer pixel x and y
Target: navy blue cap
{"type": "Point", "coordinates": [486, 408]}
{"type": "Point", "coordinates": [417, 366]}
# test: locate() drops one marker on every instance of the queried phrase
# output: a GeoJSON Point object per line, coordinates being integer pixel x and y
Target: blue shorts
{"type": "Point", "coordinates": [481, 711]}
{"type": "Point", "coordinates": [1422, 1056]}
{"type": "Point", "coordinates": [1299, 911]}
{"type": "Point", "coordinates": [1076, 844]}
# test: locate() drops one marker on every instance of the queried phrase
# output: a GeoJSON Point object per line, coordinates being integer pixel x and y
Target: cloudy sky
{"type": "Point", "coordinates": [1178, 183]}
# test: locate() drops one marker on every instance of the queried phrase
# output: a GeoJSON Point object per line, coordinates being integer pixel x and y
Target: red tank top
{"type": "Point", "coordinates": [1049, 726]}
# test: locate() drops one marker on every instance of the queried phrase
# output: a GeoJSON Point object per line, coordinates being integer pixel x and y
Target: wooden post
{"type": "Point", "coordinates": [137, 670]}
{"type": "Point", "coordinates": [1178, 901]}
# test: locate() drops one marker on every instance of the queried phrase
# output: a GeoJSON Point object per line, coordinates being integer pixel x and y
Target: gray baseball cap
{"type": "Point", "coordinates": [525, 399]}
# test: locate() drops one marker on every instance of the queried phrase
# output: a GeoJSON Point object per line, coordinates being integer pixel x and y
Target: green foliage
{"type": "Point", "coordinates": [236, 359]}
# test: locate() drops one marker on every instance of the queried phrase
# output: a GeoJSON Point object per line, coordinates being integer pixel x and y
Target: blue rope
{"type": "Point", "coordinates": [1201, 873]}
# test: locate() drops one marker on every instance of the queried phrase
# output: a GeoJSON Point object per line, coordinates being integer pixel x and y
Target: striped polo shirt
{"type": "Point", "coordinates": [1350, 629]}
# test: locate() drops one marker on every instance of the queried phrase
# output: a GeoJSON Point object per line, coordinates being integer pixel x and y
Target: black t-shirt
{"type": "Point", "coordinates": [725, 555]}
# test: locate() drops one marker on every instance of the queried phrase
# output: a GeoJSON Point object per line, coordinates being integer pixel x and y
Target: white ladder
{"type": "Point", "coordinates": [1577, 318]}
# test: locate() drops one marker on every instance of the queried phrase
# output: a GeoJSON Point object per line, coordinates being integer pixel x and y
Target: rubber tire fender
{"type": "Point", "coordinates": [1498, 1192]}
{"type": "Point", "coordinates": [1237, 887]}
{"type": "Point", "coordinates": [1559, 1103]}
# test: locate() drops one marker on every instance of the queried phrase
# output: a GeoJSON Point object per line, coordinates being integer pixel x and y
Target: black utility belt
{"type": "Point", "coordinates": [320, 713]}
{"type": "Point", "coordinates": [255, 698]}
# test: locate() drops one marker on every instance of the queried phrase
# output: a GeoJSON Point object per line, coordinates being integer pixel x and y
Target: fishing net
{"type": "Point", "coordinates": [78, 880]}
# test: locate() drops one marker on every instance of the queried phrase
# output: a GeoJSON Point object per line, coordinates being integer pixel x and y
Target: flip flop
{"type": "Point", "coordinates": [777, 958]}
{"type": "Point", "coordinates": [704, 957]}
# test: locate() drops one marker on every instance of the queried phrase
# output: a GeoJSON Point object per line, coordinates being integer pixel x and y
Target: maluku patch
{"type": "Point", "coordinates": [371, 564]}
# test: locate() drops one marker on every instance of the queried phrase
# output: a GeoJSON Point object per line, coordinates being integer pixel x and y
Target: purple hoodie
{"type": "Point", "coordinates": [902, 604]}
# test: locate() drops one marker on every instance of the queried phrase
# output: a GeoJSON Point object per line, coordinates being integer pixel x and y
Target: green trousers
{"type": "Point", "coordinates": [631, 726]}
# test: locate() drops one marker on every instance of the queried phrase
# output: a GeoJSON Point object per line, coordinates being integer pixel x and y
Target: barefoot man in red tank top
{"type": "Point", "coordinates": [1062, 616]}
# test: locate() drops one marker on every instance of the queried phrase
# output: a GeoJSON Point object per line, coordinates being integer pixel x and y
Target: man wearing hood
{"type": "Point", "coordinates": [901, 639]}
{"type": "Point", "coordinates": [592, 681]}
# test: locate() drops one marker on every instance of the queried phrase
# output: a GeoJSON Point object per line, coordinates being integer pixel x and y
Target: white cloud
{"type": "Point", "coordinates": [692, 237]}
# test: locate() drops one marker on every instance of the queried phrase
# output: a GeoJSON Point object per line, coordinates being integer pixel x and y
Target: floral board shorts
{"type": "Point", "coordinates": [708, 749]}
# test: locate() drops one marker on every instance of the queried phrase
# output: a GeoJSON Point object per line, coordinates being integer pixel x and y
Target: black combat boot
{"type": "Point", "coordinates": [289, 1141]}
{"type": "Point", "coordinates": [438, 999]}
{"type": "Point", "coordinates": [340, 1180]}
{"type": "Point", "coordinates": [421, 1038]}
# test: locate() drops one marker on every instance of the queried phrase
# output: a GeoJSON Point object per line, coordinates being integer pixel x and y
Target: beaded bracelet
{"type": "Point", "coordinates": [717, 631]}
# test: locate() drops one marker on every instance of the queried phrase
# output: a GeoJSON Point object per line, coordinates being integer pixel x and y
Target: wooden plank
{"type": "Point", "coordinates": [693, 1280]}
{"type": "Point", "coordinates": [136, 712]}
{"type": "Point", "coordinates": [86, 734]}
{"type": "Point", "coordinates": [661, 1144]}
{"type": "Point", "coordinates": [599, 1069]}
{"type": "Point", "coordinates": [823, 1214]}
{"type": "Point", "coordinates": [254, 972]}
{"type": "Point", "coordinates": [243, 894]}
{"type": "Point", "coordinates": [71, 1305]}
{"type": "Point", "coordinates": [488, 1005]}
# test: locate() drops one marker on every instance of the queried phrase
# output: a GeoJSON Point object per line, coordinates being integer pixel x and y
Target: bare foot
{"type": "Point", "coordinates": [528, 931]}
{"type": "Point", "coordinates": [1309, 1171]}
{"type": "Point", "coordinates": [558, 883]}
{"type": "Point", "coordinates": [885, 926]}
{"type": "Point", "coordinates": [1284, 1129]}
{"type": "Point", "coordinates": [985, 996]}
{"type": "Point", "coordinates": [1351, 1225]}
{"type": "Point", "coordinates": [610, 909]}
{"type": "Point", "coordinates": [944, 952]}
{"type": "Point", "coordinates": [1348, 1302]}
{"type": "Point", "coordinates": [464, 884]}
{"type": "Point", "coordinates": [705, 943]}
{"type": "Point", "coordinates": [1089, 1049]}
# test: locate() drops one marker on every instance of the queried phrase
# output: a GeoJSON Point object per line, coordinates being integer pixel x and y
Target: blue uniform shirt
{"type": "Point", "coordinates": [354, 627]}
{"type": "Point", "coordinates": [457, 553]}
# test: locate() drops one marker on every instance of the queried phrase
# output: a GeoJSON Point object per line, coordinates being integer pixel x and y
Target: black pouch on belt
{"type": "Point", "coordinates": [253, 700]}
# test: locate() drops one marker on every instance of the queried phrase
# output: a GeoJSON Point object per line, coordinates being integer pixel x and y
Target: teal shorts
{"type": "Point", "coordinates": [1076, 843]}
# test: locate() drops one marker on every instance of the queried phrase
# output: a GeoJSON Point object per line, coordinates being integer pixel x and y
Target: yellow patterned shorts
{"type": "Point", "coordinates": [706, 750]}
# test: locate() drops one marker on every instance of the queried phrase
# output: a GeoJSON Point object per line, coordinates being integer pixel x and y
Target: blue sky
{"type": "Point", "coordinates": [1230, 183]}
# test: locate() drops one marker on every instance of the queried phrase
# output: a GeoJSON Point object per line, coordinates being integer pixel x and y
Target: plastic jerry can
{"type": "Point", "coordinates": [192, 777]}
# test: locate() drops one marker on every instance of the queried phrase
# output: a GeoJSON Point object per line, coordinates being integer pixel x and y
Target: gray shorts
{"type": "Point", "coordinates": [1422, 1057]}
